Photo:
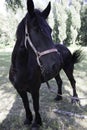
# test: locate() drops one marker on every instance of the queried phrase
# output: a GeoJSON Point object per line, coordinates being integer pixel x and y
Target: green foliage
{"type": "Point", "coordinates": [55, 32]}
{"type": "Point", "coordinates": [8, 25]}
{"type": "Point", "coordinates": [67, 41]}
{"type": "Point", "coordinates": [55, 28]}
{"type": "Point", "coordinates": [14, 4]}
{"type": "Point", "coordinates": [82, 36]}
{"type": "Point", "coordinates": [75, 18]}
{"type": "Point", "coordinates": [62, 17]}
{"type": "Point", "coordinates": [69, 24]}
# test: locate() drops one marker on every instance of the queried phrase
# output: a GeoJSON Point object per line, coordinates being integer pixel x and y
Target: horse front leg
{"type": "Point", "coordinates": [29, 116]}
{"type": "Point", "coordinates": [37, 120]}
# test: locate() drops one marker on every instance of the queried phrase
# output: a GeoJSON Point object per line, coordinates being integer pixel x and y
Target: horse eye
{"type": "Point", "coordinates": [41, 30]}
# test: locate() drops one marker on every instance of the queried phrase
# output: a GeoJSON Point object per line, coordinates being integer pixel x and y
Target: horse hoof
{"type": "Point", "coordinates": [74, 101]}
{"type": "Point", "coordinates": [58, 98]}
{"type": "Point", "coordinates": [35, 126]}
{"type": "Point", "coordinates": [27, 122]}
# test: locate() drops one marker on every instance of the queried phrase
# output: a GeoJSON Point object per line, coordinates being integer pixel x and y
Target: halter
{"type": "Point", "coordinates": [38, 54]}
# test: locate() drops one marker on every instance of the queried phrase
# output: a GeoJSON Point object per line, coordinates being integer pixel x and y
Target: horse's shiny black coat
{"type": "Point", "coordinates": [25, 73]}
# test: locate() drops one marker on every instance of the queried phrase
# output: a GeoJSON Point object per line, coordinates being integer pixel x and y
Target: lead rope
{"type": "Point", "coordinates": [48, 85]}
{"type": "Point", "coordinates": [68, 113]}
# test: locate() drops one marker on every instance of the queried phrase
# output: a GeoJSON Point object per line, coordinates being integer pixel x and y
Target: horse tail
{"type": "Point", "coordinates": [77, 56]}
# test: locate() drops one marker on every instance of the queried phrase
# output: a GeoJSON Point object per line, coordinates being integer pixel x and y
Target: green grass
{"type": "Point", "coordinates": [12, 113]}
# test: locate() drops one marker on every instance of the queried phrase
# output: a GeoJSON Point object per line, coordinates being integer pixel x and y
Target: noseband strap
{"type": "Point", "coordinates": [38, 54]}
{"type": "Point", "coordinates": [47, 52]}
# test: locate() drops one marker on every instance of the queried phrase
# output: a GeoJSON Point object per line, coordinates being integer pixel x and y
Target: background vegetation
{"type": "Point", "coordinates": [68, 20]}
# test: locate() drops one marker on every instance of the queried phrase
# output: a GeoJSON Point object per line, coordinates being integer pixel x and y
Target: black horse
{"type": "Point", "coordinates": [68, 66]}
{"type": "Point", "coordinates": [35, 58]}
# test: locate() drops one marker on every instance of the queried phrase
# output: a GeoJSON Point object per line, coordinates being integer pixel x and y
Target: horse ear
{"type": "Point", "coordinates": [46, 12]}
{"type": "Point", "coordinates": [30, 7]}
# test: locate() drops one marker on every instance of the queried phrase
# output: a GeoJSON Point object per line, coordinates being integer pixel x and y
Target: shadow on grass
{"type": "Point", "coordinates": [13, 120]}
{"type": "Point", "coordinates": [16, 116]}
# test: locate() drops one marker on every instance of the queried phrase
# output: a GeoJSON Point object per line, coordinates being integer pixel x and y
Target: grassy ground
{"type": "Point", "coordinates": [12, 112]}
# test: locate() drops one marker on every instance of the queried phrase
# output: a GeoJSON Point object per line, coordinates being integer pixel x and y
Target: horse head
{"type": "Point", "coordinates": [38, 38]}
